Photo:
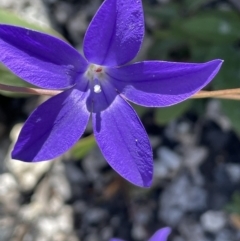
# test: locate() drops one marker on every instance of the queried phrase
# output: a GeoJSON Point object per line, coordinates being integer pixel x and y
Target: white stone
{"type": "Point", "coordinates": [139, 232]}
{"type": "Point", "coordinates": [213, 221]}
{"type": "Point", "coordinates": [179, 197]}
{"type": "Point", "coordinates": [195, 156]}
{"type": "Point", "coordinates": [167, 164]}
{"type": "Point", "coordinates": [8, 184]}
{"type": "Point", "coordinates": [233, 172]}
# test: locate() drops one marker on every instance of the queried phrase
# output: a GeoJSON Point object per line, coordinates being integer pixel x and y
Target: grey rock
{"type": "Point", "coordinates": [58, 225]}
{"type": "Point", "coordinates": [214, 113]}
{"type": "Point", "coordinates": [225, 235]}
{"type": "Point", "coordinates": [9, 193]}
{"type": "Point", "coordinates": [80, 207]}
{"type": "Point", "coordinates": [178, 238]}
{"type": "Point", "coordinates": [32, 10]}
{"type": "Point", "coordinates": [194, 156]}
{"type": "Point", "coordinates": [59, 181]}
{"type": "Point", "coordinates": [92, 164]}
{"type": "Point", "coordinates": [77, 26]}
{"type": "Point", "coordinates": [191, 230]}
{"type": "Point", "coordinates": [74, 175]}
{"type": "Point", "coordinates": [7, 224]}
{"type": "Point", "coordinates": [27, 174]}
{"type": "Point", "coordinates": [92, 237]}
{"type": "Point", "coordinates": [115, 221]}
{"type": "Point", "coordinates": [213, 221]}
{"type": "Point", "coordinates": [171, 215]}
{"type": "Point", "coordinates": [142, 215]}
{"type": "Point", "coordinates": [233, 171]}
{"type": "Point", "coordinates": [63, 12]}
{"type": "Point", "coordinates": [154, 141]}
{"type": "Point", "coordinates": [95, 215]}
{"type": "Point", "coordinates": [106, 233]}
{"type": "Point", "coordinates": [138, 232]}
{"type": "Point", "coordinates": [168, 163]}
{"type": "Point", "coordinates": [179, 197]}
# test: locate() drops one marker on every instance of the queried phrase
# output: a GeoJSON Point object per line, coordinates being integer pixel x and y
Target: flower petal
{"type": "Point", "coordinates": [40, 59]}
{"type": "Point", "coordinates": [115, 34]}
{"type": "Point", "coordinates": [161, 235]}
{"type": "Point", "coordinates": [53, 127]}
{"type": "Point", "coordinates": [122, 137]}
{"type": "Point", "coordinates": [159, 83]}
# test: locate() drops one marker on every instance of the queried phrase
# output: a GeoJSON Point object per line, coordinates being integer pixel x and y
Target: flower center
{"type": "Point", "coordinates": [95, 73]}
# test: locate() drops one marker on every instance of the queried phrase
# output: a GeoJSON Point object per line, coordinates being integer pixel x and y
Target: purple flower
{"type": "Point", "coordinates": [160, 235]}
{"type": "Point", "coordinates": [98, 86]}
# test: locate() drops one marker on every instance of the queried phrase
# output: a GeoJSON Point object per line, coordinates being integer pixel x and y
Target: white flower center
{"type": "Point", "coordinates": [95, 73]}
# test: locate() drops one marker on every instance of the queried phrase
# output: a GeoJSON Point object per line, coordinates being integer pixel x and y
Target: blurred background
{"type": "Point", "coordinates": [196, 145]}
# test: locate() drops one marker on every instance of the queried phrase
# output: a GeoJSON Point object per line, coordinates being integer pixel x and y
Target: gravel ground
{"type": "Point", "coordinates": [196, 170]}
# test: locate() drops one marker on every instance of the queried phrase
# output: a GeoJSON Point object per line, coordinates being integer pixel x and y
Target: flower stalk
{"type": "Point", "coordinates": [231, 94]}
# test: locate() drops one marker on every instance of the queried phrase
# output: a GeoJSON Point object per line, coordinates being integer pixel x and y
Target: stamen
{"type": "Point", "coordinates": [97, 89]}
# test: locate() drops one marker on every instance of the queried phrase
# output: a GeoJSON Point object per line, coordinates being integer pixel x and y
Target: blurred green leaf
{"type": "Point", "coordinates": [83, 147]}
{"type": "Point", "coordinates": [141, 110]}
{"type": "Point", "coordinates": [194, 5]}
{"type": "Point", "coordinates": [165, 12]}
{"type": "Point", "coordinates": [162, 48]}
{"type": "Point", "coordinates": [166, 114]}
{"type": "Point", "coordinates": [200, 52]}
{"type": "Point", "coordinates": [234, 205]}
{"type": "Point", "coordinates": [211, 27]}
{"type": "Point", "coordinates": [229, 75]}
{"type": "Point", "coordinates": [8, 17]}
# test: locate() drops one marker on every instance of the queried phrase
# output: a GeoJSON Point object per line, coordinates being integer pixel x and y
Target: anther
{"type": "Point", "coordinates": [98, 70]}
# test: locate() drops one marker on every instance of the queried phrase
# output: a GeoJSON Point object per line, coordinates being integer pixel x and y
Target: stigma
{"type": "Point", "coordinates": [94, 72]}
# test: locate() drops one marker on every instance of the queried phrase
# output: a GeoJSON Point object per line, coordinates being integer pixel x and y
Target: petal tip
{"type": "Point", "coordinates": [16, 155]}
{"type": "Point", "coordinates": [167, 230]}
{"type": "Point", "coordinates": [161, 235]}
{"type": "Point", "coordinates": [148, 185]}
{"type": "Point", "coordinates": [146, 182]}
{"type": "Point", "coordinates": [217, 62]}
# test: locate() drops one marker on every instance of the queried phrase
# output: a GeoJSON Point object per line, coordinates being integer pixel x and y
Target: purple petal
{"type": "Point", "coordinates": [40, 59]}
{"type": "Point", "coordinates": [115, 34]}
{"type": "Point", "coordinates": [122, 137]}
{"type": "Point", "coordinates": [161, 235]}
{"type": "Point", "coordinates": [53, 127]}
{"type": "Point", "coordinates": [159, 84]}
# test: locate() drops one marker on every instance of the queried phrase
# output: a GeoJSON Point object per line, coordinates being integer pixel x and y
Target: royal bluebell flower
{"type": "Point", "coordinates": [99, 85]}
{"type": "Point", "coordinates": [160, 235]}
